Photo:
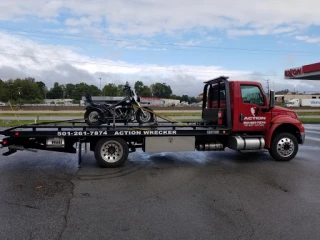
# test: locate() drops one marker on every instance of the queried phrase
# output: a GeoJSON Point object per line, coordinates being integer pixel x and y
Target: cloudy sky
{"type": "Point", "coordinates": [179, 42]}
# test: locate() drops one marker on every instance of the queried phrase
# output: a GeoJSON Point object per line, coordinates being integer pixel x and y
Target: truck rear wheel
{"type": "Point", "coordinates": [284, 147]}
{"type": "Point", "coordinates": [111, 152]}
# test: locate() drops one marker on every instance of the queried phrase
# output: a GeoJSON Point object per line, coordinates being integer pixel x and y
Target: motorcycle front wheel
{"type": "Point", "coordinates": [148, 117]}
{"type": "Point", "coordinates": [92, 118]}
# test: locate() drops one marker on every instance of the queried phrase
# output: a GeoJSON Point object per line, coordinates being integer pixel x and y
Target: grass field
{"type": "Point", "coordinates": [13, 123]}
{"type": "Point", "coordinates": [81, 114]}
{"type": "Point", "coordinates": [187, 114]}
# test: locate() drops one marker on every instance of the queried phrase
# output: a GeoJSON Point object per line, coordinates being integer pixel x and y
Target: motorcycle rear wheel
{"type": "Point", "coordinates": [91, 118]}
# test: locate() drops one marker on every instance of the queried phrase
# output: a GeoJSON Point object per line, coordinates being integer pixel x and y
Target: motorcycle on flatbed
{"type": "Point", "coordinates": [126, 110]}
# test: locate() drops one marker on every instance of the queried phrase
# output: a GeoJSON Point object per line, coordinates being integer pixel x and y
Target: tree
{"type": "Point", "coordinates": [173, 96]}
{"type": "Point", "coordinates": [3, 92]}
{"type": "Point", "coordinates": [20, 90]}
{"type": "Point", "coordinates": [142, 90]}
{"type": "Point", "coordinates": [69, 90]}
{"type": "Point", "coordinates": [145, 92]}
{"type": "Point", "coordinates": [120, 90]}
{"type": "Point", "coordinates": [42, 88]}
{"type": "Point", "coordinates": [138, 86]}
{"type": "Point", "coordinates": [110, 90]}
{"type": "Point", "coordinates": [55, 92]}
{"type": "Point", "coordinates": [30, 79]}
{"type": "Point", "coordinates": [193, 100]}
{"type": "Point", "coordinates": [94, 90]}
{"type": "Point", "coordinates": [185, 98]}
{"type": "Point", "coordinates": [161, 90]}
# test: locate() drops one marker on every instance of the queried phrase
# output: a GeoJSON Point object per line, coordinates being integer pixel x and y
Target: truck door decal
{"type": "Point", "coordinates": [253, 120]}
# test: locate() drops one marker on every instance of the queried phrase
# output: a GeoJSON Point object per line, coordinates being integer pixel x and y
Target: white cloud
{"type": "Point", "coordinates": [308, 39]}
{"type": "Point", "coordinates": [20, 57]}
{"type": "Point", "coordinates": [148, 17]}
{"type": "Point", "coordinates": [266, 30]}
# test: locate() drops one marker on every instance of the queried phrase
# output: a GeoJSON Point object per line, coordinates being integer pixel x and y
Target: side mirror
{"type": "Point", "coordinates": [272, 99]}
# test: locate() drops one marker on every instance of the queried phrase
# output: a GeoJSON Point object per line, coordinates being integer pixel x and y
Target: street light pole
{"type": "Point", "coordinates": [19, 92]}
{"type": "Point", "coordinates": [100, 87]}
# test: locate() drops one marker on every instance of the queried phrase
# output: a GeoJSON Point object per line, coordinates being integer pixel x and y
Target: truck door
{"type": "Point", "coordinates": [250, 108]}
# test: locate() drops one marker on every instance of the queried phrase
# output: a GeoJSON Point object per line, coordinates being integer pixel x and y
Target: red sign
{"type": "Point", "coordinates": [293, 72]}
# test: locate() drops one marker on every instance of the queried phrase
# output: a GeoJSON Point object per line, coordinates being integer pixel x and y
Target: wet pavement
{"type": "Point", "coordinates": [197, 195]}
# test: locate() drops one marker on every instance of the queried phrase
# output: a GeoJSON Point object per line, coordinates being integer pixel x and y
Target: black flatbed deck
{"type": "Point", "coordinates": [80, 129]}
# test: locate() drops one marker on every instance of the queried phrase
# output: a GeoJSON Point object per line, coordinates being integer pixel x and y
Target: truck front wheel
{"type": "Point", "coordinates": [284, 147]}
{"type": "Point", "coordinates": [111, 152]}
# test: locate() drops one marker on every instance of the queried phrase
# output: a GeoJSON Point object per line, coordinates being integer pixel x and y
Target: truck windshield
{"type": "Point", "coordinates": [252, 94]}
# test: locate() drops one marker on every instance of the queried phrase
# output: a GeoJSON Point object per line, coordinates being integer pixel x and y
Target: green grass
{"type": "Point", "coordinates": [80, 114]}
{"type": "Point", "coordinates": [308, 114]}
{"type": "Point", "coordinates": [14, 123]}
{"type": "Point", "coordinates": [40, 114]}
{"type": "Point", "coordinates": [303, 120]}
{"type": "Point", "coordinates": [310, 120]}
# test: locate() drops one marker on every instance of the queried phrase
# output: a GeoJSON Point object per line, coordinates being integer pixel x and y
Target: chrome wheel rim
{"type": "Point", "coordinates": [93, 116]}
{"type": "Point", "coordinates": [285, 147]}
{"type": "Point", "coordinates": [146, 116]}
{"type": "Point", "coordinates": [111, 151]}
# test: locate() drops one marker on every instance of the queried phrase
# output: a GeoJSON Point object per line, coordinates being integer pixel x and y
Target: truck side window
{"type": "Point", "coordinates": [215, 93]}
{"type": "Point", "coordinates": [252, 94]}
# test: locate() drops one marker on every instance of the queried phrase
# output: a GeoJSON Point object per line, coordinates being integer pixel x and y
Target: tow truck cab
{"type": "Point", "coordinates": [243, 107]}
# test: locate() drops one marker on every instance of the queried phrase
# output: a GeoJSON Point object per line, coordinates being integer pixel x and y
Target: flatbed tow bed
{"type": "Point", "coordinates": [235, 114]}
{"type": "Point", "coordinates": [62, 137]}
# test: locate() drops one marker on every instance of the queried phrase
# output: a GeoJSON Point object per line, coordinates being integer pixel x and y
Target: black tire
{"type": "Point", "coordinates": [89, 120]}
{"type": "Point", "coordinates": [111, 152]}
{"type": "Point", "coordinates": [284, 147]}
{"type": "Point", "coordinates": [149, 115]}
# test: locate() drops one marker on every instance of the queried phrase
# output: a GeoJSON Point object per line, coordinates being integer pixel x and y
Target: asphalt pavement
{"type": "Point", "coordinates": [197, 195]}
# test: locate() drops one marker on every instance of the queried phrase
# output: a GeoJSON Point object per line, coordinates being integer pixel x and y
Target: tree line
{"type": "Point", "coordinates": [29, 90]}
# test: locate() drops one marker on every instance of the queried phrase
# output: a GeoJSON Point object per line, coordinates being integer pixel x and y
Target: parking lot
{"type": "Point", "coordinates": [197, 195]}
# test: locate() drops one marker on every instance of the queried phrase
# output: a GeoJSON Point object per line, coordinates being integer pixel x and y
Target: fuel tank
{"type": "Point", "coordinates": [246, 143]}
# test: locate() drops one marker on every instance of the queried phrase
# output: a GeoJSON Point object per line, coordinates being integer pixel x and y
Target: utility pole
{"type": "Point", "coordinates": [19, 92]}
{"type": "Point", "coordinates": [268, 86]}
{"type": "Point", "coordinates": [100, 88]}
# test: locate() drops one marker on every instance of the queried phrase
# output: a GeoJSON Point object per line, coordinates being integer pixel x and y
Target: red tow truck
{"type": "Point", "coordinates": [235, 114]}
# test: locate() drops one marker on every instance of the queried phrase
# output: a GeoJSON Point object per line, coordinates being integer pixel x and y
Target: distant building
{"type": "Point", "coordinates": [291, 96]}
{"type": "Point", "coordinates": [152, 101]}
{"type": "Point", "coordinates": [58, 101]}
{"type": "Point", "coordinates": [279, 98]}
{"type": "Point", "coordinates": [104, 99]}
{"type": "Point", "coordinates": [170, 101]}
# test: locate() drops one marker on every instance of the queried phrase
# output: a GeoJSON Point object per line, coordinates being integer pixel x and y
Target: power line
{"type": "Point", "coordinates": [144, 43]}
